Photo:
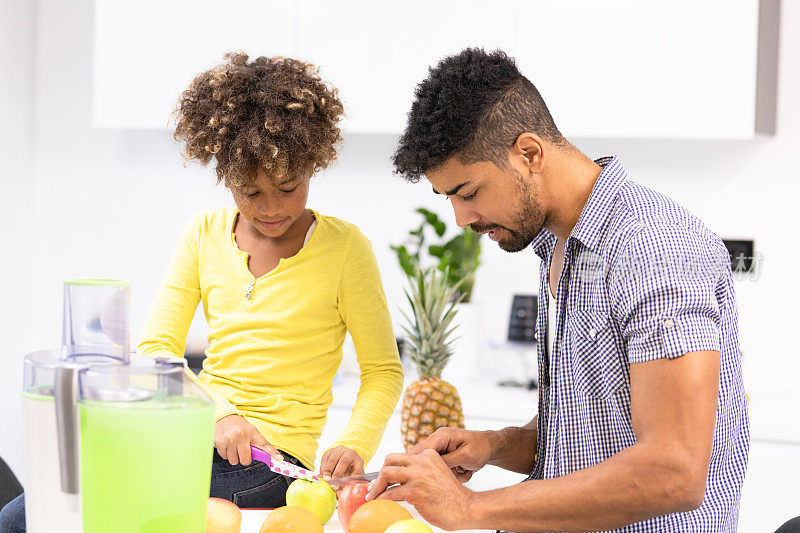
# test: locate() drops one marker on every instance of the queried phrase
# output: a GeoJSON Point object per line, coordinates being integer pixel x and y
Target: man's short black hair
{"type": "Point", "coordinates": [474, 105]}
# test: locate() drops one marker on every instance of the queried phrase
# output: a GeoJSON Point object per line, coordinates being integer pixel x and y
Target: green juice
{"type": "Point", "coordinates": [146, 466]}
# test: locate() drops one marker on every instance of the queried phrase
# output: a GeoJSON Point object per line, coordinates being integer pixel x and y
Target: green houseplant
{"type": "Point", "coordinates": [457, 257]}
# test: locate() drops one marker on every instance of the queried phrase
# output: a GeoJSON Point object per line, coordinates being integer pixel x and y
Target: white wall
{"type": "Point", "coordinates": [112, 203]}
{"type": "Point", "coordinates": [16, 218]}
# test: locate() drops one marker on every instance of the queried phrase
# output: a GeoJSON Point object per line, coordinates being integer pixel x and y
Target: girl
{"type": "Point", "coordinates": [280, 284]}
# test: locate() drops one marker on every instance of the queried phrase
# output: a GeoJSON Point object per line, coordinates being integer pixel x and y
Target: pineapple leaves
{"type": "Point", "coordinates": [428, 326]}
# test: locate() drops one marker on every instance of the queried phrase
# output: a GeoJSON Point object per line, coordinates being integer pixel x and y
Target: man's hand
{"type": "Point", "coordinates": [341, 462]}
{"type": "Point", "coordinates": [425, 481]}
{"type": "Point", "coordinates": [464, 451]}
{"type": "Point", "coordinates": [233, 436]}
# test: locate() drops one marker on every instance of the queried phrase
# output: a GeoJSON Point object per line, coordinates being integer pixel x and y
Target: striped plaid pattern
{"type": "Point", "coordinates": [643, 278]}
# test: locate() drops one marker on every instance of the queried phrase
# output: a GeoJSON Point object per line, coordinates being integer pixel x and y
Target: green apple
{"type": "Point", "coordinates": [316, 496]}
{"type": "Point", "coordinates": [408, 526]}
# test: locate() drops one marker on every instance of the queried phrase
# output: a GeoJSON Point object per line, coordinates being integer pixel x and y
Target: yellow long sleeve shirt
{"type": "Point", "coordinates": [275, 342]}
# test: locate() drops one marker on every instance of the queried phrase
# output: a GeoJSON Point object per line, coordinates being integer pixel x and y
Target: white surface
{"type": "Point", "coordinates": [480, 401]}
{"type": "Point", "coordinates": [661, 69]}
{"type": "Point", "coordinates": [644, 69]}
{"type": "Point", "coordinates": [183, 38]}
{"type": "Point", "coordinates": [17, 319]}
{"type": "Point", "coordinates": [376, 54]}
{"type": "Point", "coordinates": [468, 343]}
{"type": "Point", "coordinates": [770, 496]}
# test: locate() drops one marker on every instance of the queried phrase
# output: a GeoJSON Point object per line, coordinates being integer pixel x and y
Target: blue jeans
{"type": "Point", "coordinates": [12, 516]}
{"type": "Point", "coordinates": [246, 486]}
{"type": "Point", "coordinates": [249, 486]}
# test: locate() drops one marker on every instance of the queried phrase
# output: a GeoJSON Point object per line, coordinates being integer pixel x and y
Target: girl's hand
{"type": "Point", "coordinates": [233, 436]}
{"type": "Point", "coordinates": [341, 462]}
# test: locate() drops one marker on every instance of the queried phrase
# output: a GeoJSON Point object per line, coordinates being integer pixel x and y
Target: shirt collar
{"type": "Point", "coordinates": [594, 213]}
{"type": "Point", "coordinates": [543, 243]}
{"type": "Point", "coordinates": [598, 207]}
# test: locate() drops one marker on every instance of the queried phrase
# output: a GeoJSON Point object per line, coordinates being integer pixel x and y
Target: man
{"type": "Point", "coordinates": [642, 424]}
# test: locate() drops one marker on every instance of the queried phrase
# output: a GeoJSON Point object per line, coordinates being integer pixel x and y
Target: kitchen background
{"type": "Point", "coordinates": [83, 200]}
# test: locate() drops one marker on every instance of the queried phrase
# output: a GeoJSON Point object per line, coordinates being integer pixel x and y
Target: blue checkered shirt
{"type": "Point", "coordinates": [643, 279]}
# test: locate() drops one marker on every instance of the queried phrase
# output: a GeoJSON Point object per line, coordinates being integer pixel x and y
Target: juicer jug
{"type": "Point", "coordinates": [145, 445]}
{"type": "Point", "coordinates": [47, 507]}
{"type": "Point", "coordinates": [95, 332]}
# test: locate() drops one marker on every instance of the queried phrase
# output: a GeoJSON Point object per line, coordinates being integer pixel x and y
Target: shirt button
{"type": "Point", "coordinates": [669, 323]}
{"type": "Point", "coordinates": [593, 333]}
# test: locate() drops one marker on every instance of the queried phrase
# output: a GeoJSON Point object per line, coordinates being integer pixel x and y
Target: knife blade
{"type": "Point", "coordinates": [352, 480]}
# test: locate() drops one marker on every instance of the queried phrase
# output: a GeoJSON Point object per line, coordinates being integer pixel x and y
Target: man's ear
{"type": "Point", "coordinates": [528, 150]}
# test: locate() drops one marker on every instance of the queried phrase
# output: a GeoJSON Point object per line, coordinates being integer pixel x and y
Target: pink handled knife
{"type": "Point", "coordinates": [282, 467]}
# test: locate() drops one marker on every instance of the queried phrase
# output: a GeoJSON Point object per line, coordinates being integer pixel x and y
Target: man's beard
{"type": "Point", "coordinates": [529, 215]}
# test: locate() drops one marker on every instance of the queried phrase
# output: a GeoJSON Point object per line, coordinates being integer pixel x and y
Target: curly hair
{"type": "Point", "coordinates": [272, 112]}
{"type": "Point", "coordinates": [472, 105]}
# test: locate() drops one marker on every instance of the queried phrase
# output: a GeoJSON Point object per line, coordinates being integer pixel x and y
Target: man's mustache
{"type": "Point", "coordinates": [483, 228]}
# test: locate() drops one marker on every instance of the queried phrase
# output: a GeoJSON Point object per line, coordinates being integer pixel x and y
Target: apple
{"type": "Point", "coordinates": [351, 497]}
{"type": "Point", "coordinates": [222, 516]}
{"type": "Point", "coordinates": [409, 526]}
{"type": "Point", "coordinates": [316, 496]}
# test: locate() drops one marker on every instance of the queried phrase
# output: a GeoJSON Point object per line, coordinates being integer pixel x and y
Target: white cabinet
{"type": "Point", "coordinates": [679, 69]}
{"type": "Point", "coordinates": [147, 52]}
{"type": "Point", "coordinates": [377, 53]}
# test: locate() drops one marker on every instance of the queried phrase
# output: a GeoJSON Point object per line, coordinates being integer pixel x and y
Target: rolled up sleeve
{"type": "Point", "coordinates": [665, 286]}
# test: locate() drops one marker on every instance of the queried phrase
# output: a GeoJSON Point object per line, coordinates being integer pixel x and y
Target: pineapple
{"type": "Point", "coordinates": [430, 402]}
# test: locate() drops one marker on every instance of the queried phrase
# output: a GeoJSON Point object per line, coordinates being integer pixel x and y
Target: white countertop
{"type": "Point", "coordinates": [483, 400]}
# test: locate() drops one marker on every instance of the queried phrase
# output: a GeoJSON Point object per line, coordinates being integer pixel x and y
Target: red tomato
{"type": "Point", "coordinates": [351, 498]}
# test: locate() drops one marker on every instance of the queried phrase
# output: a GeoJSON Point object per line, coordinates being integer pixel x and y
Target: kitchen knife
{"type": "Point", "coordinates": [352, 480]}
{"type": "Point", "coordinates": [284, 468]}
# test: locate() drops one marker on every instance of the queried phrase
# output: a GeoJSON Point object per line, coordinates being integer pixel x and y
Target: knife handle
{"type": "Point", "coordinates": [260, 455]}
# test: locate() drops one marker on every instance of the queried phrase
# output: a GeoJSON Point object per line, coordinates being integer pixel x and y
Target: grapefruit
{"type": "Point", "coordinates": [291, 519]}
{"type": "Point", "coordinates": [376, 516]}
